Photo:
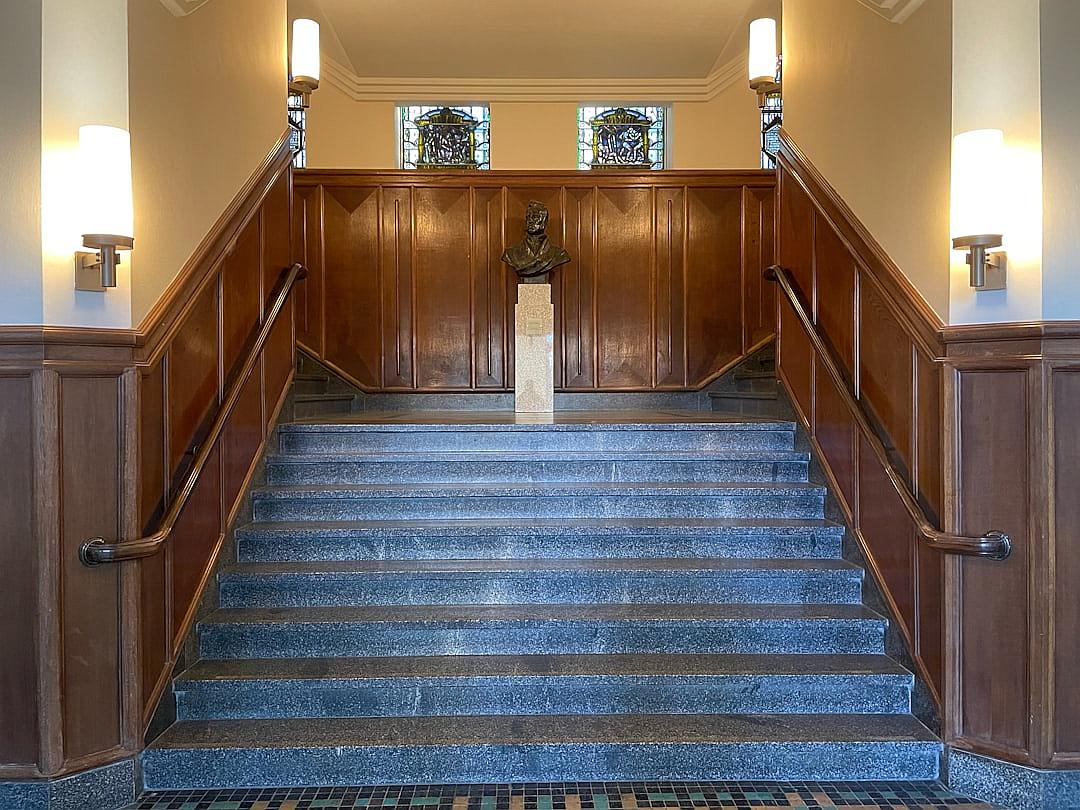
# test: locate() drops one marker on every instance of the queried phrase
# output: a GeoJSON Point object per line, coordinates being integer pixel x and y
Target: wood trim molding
{"type": "Point", "coordinates": [405, 89]}
{"type": "Point", "coordinates": [497, 178]}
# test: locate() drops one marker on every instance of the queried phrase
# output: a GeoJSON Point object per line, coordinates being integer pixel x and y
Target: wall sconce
{"type": "Point", "coordinates": [305, 63]}
{"type": "Point", "coordinates": [105, 215]}
{"type": "Point", "coordinates": [763, 58]}
{"type": "Point", "coordinates": [977, 159]}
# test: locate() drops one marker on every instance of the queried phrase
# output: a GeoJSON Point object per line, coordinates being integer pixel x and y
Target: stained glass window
{"type": "Point", "coordinates": [297, 129]}
{"type": "Point", "coordinates": [434, 137]}
{"type": "Point", "coordinates": [772, 117]}
{"type": "Point", "coordinates": [621, 137]}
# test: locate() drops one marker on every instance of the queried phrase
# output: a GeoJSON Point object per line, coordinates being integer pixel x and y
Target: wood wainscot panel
{"type": "Point", "coordinates": [759, 299]}
{"type": "Point", "coordinates": [672, 304]}
{"type": "Point", "coordinates": [796, 234]}
{"type": "Point", "coordinates": [836, 434]}
{"type": "Point", "coordinates": [308, 241]}
{"type": "Point", "coordinates": [275, 215]}
{"type": "Point", "coordinates": [351, 278]}
{"type": "Point", "coordinates": [489, 283]}
{"type": "Point", "coordinates": [577, 290]}
{"type": "Point", "coordinates": [395, 280]}
{"type": "Point", "coordinates": [795, 360]}
{"type": "Point", "coordinates": [714, 250]}
{"type": "Point", "coordinates": [192, 546]}
{"type": "Point", "coordinates": [835, 292]}
{"type": "Point", "coordinates": [19, 675]}
{"type": "Point", "coordinates": [194, 369]}
{"type": "Point", "coordinates": [442, 289]}
{"type": "Point", "coordinates": [240, 304]}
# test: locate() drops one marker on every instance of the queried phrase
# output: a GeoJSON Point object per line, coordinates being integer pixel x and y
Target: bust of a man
{"type": "Point", "coordinates": [535, 256]}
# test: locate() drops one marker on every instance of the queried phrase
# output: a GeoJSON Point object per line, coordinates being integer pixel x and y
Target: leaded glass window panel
{"type": "Point", "coordinates": [621, 137]}
{"type": "Point", "coordinates": [772, 117]}
{"type": "Point", "coordinates": [440, 137]}
{"type": "Point", "coordinates": [297, 129]}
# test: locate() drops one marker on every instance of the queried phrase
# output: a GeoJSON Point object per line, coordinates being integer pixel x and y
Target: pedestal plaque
{"type": "Point", "coordinates": [534, 355]}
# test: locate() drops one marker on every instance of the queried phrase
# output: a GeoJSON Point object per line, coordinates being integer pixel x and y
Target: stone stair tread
{"type": "Point", "coordinates": [541, 526]}
{"type": "Point", "coordinates": [750, 395]}
{"type": "Point", "coordinates": [532, 566]}
{"type": "Point", "coordinates": [540, 489]}
{"type": "Point", "coordinates": [481, 456]}
{"type": "Point", "coordinates": [521, 666]}
{"type": "Point", "coordinates": [465, 421]}
{"type": "Point", "coordinates": [466, 615]}
{"type": "Point", "coordinates": [337, 732]}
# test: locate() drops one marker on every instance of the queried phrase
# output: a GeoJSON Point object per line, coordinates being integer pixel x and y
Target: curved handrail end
{"type": "Point", "coordinates": [88, 551]}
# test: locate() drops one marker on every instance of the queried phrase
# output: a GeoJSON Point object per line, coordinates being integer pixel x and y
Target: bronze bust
{"type": "Point", "coordinates": [535, 256]}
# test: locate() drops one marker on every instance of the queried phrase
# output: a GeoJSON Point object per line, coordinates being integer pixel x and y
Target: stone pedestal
{"type": "Point", "coordinates": [534, 355]}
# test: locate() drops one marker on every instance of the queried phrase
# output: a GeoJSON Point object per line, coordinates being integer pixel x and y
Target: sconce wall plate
{"type": "Point", "coordinates": [987, 270]}
{"type": "Point", "coordinates": [95, 272]}
{"type": "Point", "coordinates": [88, 271]}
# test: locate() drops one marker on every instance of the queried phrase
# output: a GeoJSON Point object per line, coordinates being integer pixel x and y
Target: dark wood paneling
{"type": "Point", "coordinates": [442, 288]}
{"type": "Point", "coordinates": [396, 277]}
{"type": "Point", "coordinates": [240, 303]}
{"type": "Point", "coordinates": [351, 280]}
{"type": "Point", "coordinates": [667, 257]}
{"type": "Point", "coordinates": [836, 433]}
{"type": "Point", "coordinates": [90, 441]}
{"type": "Point", "coordinates": [18, 577]}
{"type": "Point", "coordinates": [835, 277]}
{"type": "Point", "coordinates": [1065, 391]}
{"type": "Point", "coordinates": [885, 370]}
{"type": "Point", "coordinates": [192, 544]}
{"type": "Point", "coordinates": [307, 239]}
{"type": "Point", "coordinates": [930, 614]}
{"type": "Point", "coordinates": [759, 312]}
{"type": "Point", "coordinates": [244, 434]}
{"type": "Point", "coordinates": [153, 607]}
{"type": "Point", "coordinates": [714, 250]}
{"type": "Point", "coordinates": [276, 216]}
{"type": "Point", "coordinates": [193, 374]}
{"type": "Point", "coordinates": [796, 234]}
{"type": "Point", "coordinates": [277, 362]}
{"type": "Point", "coordinates": [795, 357]}
{"type": "Point", "coordinates": [994, 486]}
{"type": "Point", "coordinates": [671, 292]}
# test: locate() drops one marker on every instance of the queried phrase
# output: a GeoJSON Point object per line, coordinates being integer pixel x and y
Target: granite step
{"type": "Point", "coordinates": [539, 538]}
{"type": "Point", "coordinates": [580, 500]}
{"type": "Point", "coordinates": [564, 581]}
{"type": "Point", "coordinates": [702, 431]}
{"type": "Point", "coordinates": [567, 466]}
{"type": "Point", "coordinates": [539, 684]}
{"type": "Point", "coordinates": [530, 748]}
{"type": "Point", "coordinates": [540, 629]}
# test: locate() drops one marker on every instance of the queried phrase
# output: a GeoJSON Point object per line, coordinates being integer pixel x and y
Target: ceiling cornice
{"type": "Point", "coordinates": [403, 89]}
{"type": "Point", "coordinates": [181, 8]}
{"type": "Point", "coordinates": [893, 10]}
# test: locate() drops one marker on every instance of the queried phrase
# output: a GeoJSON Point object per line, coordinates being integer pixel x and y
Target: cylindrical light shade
{"type": "Point", "coordinates": [978, 159]}
{"type": "Point", "coordinates": [305, 50]}
{"type": "Point", "coordinates": [104, 172]}
{"type": "Point", "coordinates": [762, 50]}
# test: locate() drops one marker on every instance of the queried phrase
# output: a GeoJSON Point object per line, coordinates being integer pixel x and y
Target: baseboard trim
{"type": "Point", "coordinates": [1018, 787]}
{"type": "Point", "coordinates": [109, 787]}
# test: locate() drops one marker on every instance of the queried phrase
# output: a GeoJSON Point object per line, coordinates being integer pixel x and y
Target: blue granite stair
{"type": "Point", "coordinates": [450, 598]}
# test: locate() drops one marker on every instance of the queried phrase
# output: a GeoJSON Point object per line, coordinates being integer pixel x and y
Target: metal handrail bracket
{"type": "Point", "coordinates": [98, 550]}
{"type": "Point", "coordinates": [993, 545]}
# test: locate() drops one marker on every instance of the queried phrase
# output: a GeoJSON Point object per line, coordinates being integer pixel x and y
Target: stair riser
{"type": "Point", "coordinates": [372, 546]}
{"type": "Point", "coordinates": [354, 441]}
{"type": "Point", "coordinates": [396, 697]}
{"type": "Point", "coordinates": [821, 587]}
{"type": "Point", "coordinates": [277, 508]}
{"type": "Point", "coordinates": [482, 471]}
{"type": "Point", "coordinates": [327, 407]}
{"type": "Point", "coordinates": [220, 768]}
{"type": "Point", "coordinates": [308, 387]}
{"type": "Point", "coordinates": [326, 640]}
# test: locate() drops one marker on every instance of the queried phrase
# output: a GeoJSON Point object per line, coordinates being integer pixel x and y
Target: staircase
{"type": "Point", "coordinates": [451, 598]}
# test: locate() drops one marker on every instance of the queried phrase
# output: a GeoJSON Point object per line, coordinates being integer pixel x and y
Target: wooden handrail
{"type": "Point", "coordinates": [98, 550]}
{"type": "Point", "coordinates": [993, 545]}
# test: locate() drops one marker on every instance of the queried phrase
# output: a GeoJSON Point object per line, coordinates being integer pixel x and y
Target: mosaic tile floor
{"type": "Point", "coordinates": [575, 796]}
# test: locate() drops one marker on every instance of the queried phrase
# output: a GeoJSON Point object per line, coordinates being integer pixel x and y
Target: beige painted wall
{"type": "Point", "coordinates": [1060, 22]}
{"type": "Point", "coordinates": [207, 103]}
{"type": "Point", "coordinates": [20, 170]}
{"type": "Point", "coordinates": [869, 102]}
{"type": "Point", "coordinates": [528, 135]}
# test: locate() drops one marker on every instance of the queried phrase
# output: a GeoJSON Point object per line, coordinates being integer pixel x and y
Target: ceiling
{"type": "Point", "coordinates": [557, 39]}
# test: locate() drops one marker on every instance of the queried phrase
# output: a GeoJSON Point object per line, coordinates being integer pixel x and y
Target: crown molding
{"type": "Point", "coordinates": [405, 89]}
{"type": "Point", "coordinates": [895, 11]}
{"type": "Point", "coordinates": [181, 8]}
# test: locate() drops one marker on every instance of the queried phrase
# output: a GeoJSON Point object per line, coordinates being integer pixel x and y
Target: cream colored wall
{"type": "Point", "coordinates": [869, 102]}
{"type": "Point", "coordinates": [1002, 92]}
{"type": "Point", "coordinates": [20, 170]}
{"type": "Point", "coordinates": [530, 135]}
{"type": "Point", "coordinates": [1060, 22]}
{"type": "Point", "coordinates": [207, 103]}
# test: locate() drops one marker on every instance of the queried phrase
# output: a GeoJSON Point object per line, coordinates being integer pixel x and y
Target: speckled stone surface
{"type": "Point", "coordinates": [105, 788]}
{"type": "Point", "coordinates": [460, 582]}
{"type": "Point", "coordinates": [330, 751]}
{"type": "Point", "coordinates": [534, 349]}
{"type": "Point", "coordinates": [1013, 786]}
{"type": "Point", "coordinates": [540, 538]}
{"type": "Point", "coordinates": [585, 684]}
